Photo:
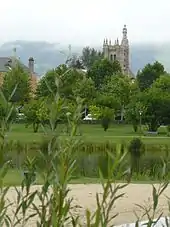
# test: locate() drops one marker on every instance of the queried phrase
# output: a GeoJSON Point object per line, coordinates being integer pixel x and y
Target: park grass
{"type": "Point", "coordinates": [117, 133]}
{"type": "Point", "coordinates": [14, 177]}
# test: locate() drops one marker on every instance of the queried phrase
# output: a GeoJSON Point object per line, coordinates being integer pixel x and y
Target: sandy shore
{"type": "Point", "coordinates": [84, 197]}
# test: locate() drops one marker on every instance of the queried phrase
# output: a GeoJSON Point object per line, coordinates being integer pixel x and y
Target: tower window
{"type": "Point", "coordinates": [111, 57]}
{"type": "Point", "coordinates": [114, 57]}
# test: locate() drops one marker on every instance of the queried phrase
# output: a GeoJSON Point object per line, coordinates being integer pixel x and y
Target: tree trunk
{"type": "Point", "coordinates": [35, 127]}
{"type": "Point", "coordinates": [122, 114]}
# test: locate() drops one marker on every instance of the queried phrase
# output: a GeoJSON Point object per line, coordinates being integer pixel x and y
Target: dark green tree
{"type": "Point", "coordinates": [157, 107]}
{"type": "Point", "coordinates": [103, 69]}
{"type": "Point", "coordinates": [149, 74]}
{"type": "Point", "coordinates": [89, 56]}
{"type": "Point", "coordinates": [36, 112]}
{"type": "Point", "coordinates": [47, 84]}
{"type": "Point", "coordinates": [17, 81]}
{"type": "Point", "coordinates": [119, 86]}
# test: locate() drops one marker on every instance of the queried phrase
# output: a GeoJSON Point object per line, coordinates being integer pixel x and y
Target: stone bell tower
{"type": "Point", "coordinates": [118, 51]}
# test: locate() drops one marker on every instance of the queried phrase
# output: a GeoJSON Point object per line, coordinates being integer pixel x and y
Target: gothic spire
{"type": "Point", "coordinates": [125, 39]}
{"type": "Point", "coordinates": [124, 32]}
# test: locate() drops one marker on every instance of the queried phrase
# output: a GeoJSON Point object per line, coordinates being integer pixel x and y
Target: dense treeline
{"type": "Point", "coordinates": [106, 92]}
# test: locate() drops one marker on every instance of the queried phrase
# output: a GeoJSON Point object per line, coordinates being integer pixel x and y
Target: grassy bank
{"type": "Point", "coordinates": [15, 177]}
{"type": "Point", "coordinates": [91, 132]}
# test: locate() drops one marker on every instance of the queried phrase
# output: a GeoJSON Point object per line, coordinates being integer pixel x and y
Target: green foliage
{"type": "Point", "coordinates": [47, 84]}
{"type": "Point", "coordinates": [95, 111]}
{"type": "Point", "coordinates": [104, 100]}
{"type": "Point", "coordinates": [162, 83]}
{"type": "Point", "coordinates": [36, 112]}
{"type": "Point", "coordinates": [105, 114]}
{"type": "Point", "coordinates": [133, 111]}
{"type": "Point", "coordinates": [8, 112]}
{"type": "Point", "coordinates": [89, 56]}
{"type": "Point", "coordinates": [149, 74]}
{"type": "Point", "coordinates": [19, 79]}
{"type": "Point", "coordinates": [106, 117]}
{"type": "Point", "coordinates": [103, 69]}
{"type": "Point", "coordinates": [119, 88]}
{"type": "Point", "coordinates": [157, 107]}
{"type": "Point", "coordinates": [72, 83]}
{"type": "Point", "coordinates": [84, 88]}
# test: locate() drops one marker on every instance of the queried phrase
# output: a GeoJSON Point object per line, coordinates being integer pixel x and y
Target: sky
{"type": "Point", "coordinates": [84, 22]}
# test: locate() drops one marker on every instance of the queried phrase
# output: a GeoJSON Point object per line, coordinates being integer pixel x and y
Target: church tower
{"type": "Point", "coordinates": [118, 51]}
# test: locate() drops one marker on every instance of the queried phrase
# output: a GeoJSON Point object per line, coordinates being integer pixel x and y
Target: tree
{"type": "Point", "coordinates": [154, 103]}
{"type": "Point", "coordinates": [157, 107]}
{"type": "Point", "coordinates": [47, 84]}
{"type": "Point", "coordinates": [133, 111]}
{"type": "Point", "coordinates": [162, 86]}
{"type": "Point", "coordinates": [69, 82]}
{"type": "Point", "coordinates": [162, 83]}
{"type": "Point", "coordinates": [84, 88]}
{"type": "Point", "coordinates": [149, 74]}
{"type": "Point", "coordinates": [75, 63]}
{"type": "Point", "coordinates": [89, 56]}
{"type": "Point", "coordinates": [19, 79]}
{"type": "Point", "coordinates": [102, 70]}
{"type": "Point", "coordinates": [119, 86]}
{"type": "Point", "coordinates": [104, 114]}
{"type": "Point", "coordinates": [36, 112]}
{"type": "Point", "coordinates": [106, 100]}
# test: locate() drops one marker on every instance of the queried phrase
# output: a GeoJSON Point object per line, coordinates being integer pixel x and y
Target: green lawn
{"type": "Point", "coordinates": [14, 177]}
{"type": "Point", "coordinates": [91, 132]}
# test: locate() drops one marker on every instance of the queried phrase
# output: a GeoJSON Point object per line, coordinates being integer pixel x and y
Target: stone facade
{"type": "Point", "coordinates": [118, 51]}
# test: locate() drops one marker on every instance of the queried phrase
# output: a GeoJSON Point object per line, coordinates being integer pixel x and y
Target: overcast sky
{"type": "Point", "coordinates": [84, 22]}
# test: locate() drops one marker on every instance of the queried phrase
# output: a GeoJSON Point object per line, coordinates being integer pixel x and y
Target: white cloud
{"type": "Point", "coordinates": [84, 22]}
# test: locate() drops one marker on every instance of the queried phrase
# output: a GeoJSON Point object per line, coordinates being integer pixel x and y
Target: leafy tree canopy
{"type": "Point", "coordinates": [149, 74]}
{"type": "Point", "coordinates": [162, 83]}
{"type": "Point", "coordinates": [89, 56]}
{"type": "Point", "coordinates": [17, 83]}
{"type": "Point", "coordinates": [103, 69]}
{"type": "Point", "coordinates": [36, 112]}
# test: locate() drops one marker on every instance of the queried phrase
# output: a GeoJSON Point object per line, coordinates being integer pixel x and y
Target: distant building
{"type": "Point", "coordinates": [6, 64]}
{"type": "Point", "coordinates": [119, 51]}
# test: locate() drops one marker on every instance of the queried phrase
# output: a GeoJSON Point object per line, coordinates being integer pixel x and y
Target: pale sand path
{"type": "Point", "coordinates": [84, 196]}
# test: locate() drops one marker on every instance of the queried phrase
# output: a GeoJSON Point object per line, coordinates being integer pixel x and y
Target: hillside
{"type": "Point", "coordinates": [49, 55]}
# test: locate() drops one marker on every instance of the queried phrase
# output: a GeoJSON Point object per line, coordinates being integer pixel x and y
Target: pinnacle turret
{"type": "Point", "coordinates": [125, 32]}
